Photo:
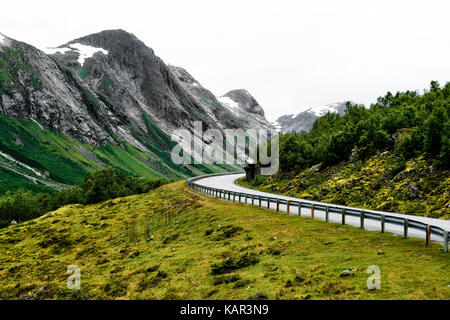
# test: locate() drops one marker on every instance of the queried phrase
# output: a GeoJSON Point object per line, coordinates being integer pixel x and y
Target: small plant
{"type": "Point", "coordinates": [234, 263]}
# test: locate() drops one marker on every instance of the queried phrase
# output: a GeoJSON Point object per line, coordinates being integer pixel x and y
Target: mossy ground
{"type": "Point", "coordinates": [416, 187]}
{"type": "Point", "coordinates": [174, 243]}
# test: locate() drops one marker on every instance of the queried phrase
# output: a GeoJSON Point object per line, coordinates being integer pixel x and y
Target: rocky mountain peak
{"type": "Point", "coordinates": [4, 40]}
{"type": "Point", "coordinates": [245, 101]}
{"type": "Point", "coordinates": [116, 41]}
{"type": "Point", "coordinates": [304, 120]}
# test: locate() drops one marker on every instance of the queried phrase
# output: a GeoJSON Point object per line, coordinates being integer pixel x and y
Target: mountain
{"type": "Point", "coordinates": [103, 99]}
{"type": "Point", "coordinates": [245, 107]}
{"type": "Point", "coordinates": [304, 121]}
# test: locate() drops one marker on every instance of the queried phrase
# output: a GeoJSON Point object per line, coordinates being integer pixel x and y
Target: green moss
{"type": "Point", "coordinates": [34, 83]}
{"type": "Point", "coordinates": [82, 74]}
{"type": "Point", "coordinates": [305, 260]}
{"type": "Point", "coordinates": [382, 183]}
{"type": "Point", "coordinates": [108, 83]}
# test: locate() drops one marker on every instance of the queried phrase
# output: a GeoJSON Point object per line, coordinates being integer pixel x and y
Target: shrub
{"type": "Point", "coordinates": [98, 186]}
{"type": "Point", "coordinates": [234, 263]}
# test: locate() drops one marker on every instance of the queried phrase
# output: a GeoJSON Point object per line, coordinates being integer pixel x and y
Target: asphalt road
{"type": "Point", "coordinates": [227, 182]}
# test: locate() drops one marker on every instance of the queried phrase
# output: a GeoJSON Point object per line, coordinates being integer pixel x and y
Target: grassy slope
{"type": "Point", "coordinates": [45, 150]}
{"type": "Point", "coordinates": [60, 156]}
{"type": "Point", "coordinates": [418, 188]}
{"type": "Point", "coordinates": [161, 246]}
{"type": "Point", "coordinates": [11, 181]}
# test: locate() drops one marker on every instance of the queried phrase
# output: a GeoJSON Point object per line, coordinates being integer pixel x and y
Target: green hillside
{"type": "Point", "coordinates": [60, 161]}
{"type": "Point", "coordinates": [174, 243]}
{"type": "Point", "coordinates": [393, 156]}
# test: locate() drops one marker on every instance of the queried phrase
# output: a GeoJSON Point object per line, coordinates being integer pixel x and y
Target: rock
{"type": "Point", "coordinates": [388, 206]}
{"type": "Point", "coordinates": [315, 168]}
{"type": "Point", "coordinates": [260, 296]}
{"type": "Point", "coordinates": [43, 289]}
{"type": "Point", "coordinates": [345, 273]}
{"type": "Point", "coordinates": [14, 222]}
{"type": "Point", "coordinates": [414, 192]}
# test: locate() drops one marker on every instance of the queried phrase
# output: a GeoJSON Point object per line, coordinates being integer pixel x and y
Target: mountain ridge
{"type": "Point", "coordinates": [304, 120]}
{"type": "Point", "coordinates": [107, 91]}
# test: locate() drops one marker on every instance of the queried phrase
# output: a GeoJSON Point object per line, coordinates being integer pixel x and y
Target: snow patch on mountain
{"type": "Point", "coordinates": [84, 51]}
{"type": "Point", "coordinates": [56, 50]}
{"type": "Point", "coordinates": [231, 105]}
{"type": "Point", "coordinates": [304, 120]}
{"type": "Point", "coordinates": [323, 110]}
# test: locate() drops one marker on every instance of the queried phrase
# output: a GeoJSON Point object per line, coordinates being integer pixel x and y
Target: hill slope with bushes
{"type": "Point", "coordinates": [173, 243]}
{"type": "Point", "coordinates": [393, 156]}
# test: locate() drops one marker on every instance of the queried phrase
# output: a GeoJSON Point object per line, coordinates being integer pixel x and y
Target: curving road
{"type": "Point", "coordinates": [228, 182]}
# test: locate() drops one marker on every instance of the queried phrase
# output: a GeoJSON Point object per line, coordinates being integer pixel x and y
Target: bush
{"type": "Point", "coordinates": [234, 263]}
{"type": "Point", "coordinates": [333, 137]}
{"type": "Point", "coordinates": [98, 186]}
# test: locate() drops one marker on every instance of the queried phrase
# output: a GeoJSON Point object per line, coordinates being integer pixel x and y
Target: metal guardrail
{"type": "Point", "coordinates": [327, 208]}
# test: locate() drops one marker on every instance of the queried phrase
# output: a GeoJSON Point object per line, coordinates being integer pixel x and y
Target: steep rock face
{"type": "Point", "coordinates": [132, 80]}
{"type": "Point", "coordinates": [208, 104]}
{"type": "Point", "coordinates": [34, 87]}
{"type": "Point", "coordinates": [245, 107]}
{"type": "Point", "coordinates": [304, 121]}
{"type": "Point", "coordinates": [113, 95]}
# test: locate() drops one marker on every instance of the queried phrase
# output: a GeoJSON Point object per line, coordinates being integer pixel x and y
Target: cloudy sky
{"type": "Point", "coordinates": [290, 55]}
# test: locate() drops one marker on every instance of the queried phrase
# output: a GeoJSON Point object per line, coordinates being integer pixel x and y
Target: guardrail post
{"type": "Point", "coordinates": [300, 208]}
{"type": "Point", "coordinates": [362, 219]}
{"type": "Point", "coordinates": [405, 228]}
{"type": "Point", "coordinates": [234, 197]}
{"type": "Point", "coordinates": [428, 235]}
{"type": "Point", "coordinates": [253, 200]}
{"type": "Point", "coordinates": [327, 213]}
{"type": "Point", "coordinates": [382, 223]}
{"type": "Point", "coordinates": [229, 195]}
{"type": "Point", "coordinates": [278, 204]}
{"type": "Point", "coordinates": [259, 201]}
{"type": "Point", "coordinates": [268, 203]}
{"type": "Point", "coordinates": [246, 198]}
{"type": "Point", "coordinates": [288, 206]}
{"type": "Point", "coordinates": [445, 241]}
{"type": "Point", "coordinates": [312, 211]}
{"type": "Point", "coordinates": [343, 215]}
{"type": "Point", "coordinates": [239, 197]}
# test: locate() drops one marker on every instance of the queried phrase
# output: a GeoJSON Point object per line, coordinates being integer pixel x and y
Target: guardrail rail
{"type": "Point", "coordinates": [291, 205]}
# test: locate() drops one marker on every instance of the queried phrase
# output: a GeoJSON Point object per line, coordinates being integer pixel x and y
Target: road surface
{"type": "Point", "coordinates": [227, 182]}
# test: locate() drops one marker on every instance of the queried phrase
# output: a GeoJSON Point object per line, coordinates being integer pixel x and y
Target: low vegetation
{"type": "Point", "coordinates": [407, 123]}
{"type": "Point", "coordinates": [98, 186]}
{"type": "Point", "coordinates": [416, 187]}
{"type": "Point", "coordinates": [393, 156]}
{"type": "Point", "coordinates": [174, 243]}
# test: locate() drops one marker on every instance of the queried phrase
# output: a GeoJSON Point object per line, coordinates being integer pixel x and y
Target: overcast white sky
{"type": "Point", "coordinates": [290, 55]}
